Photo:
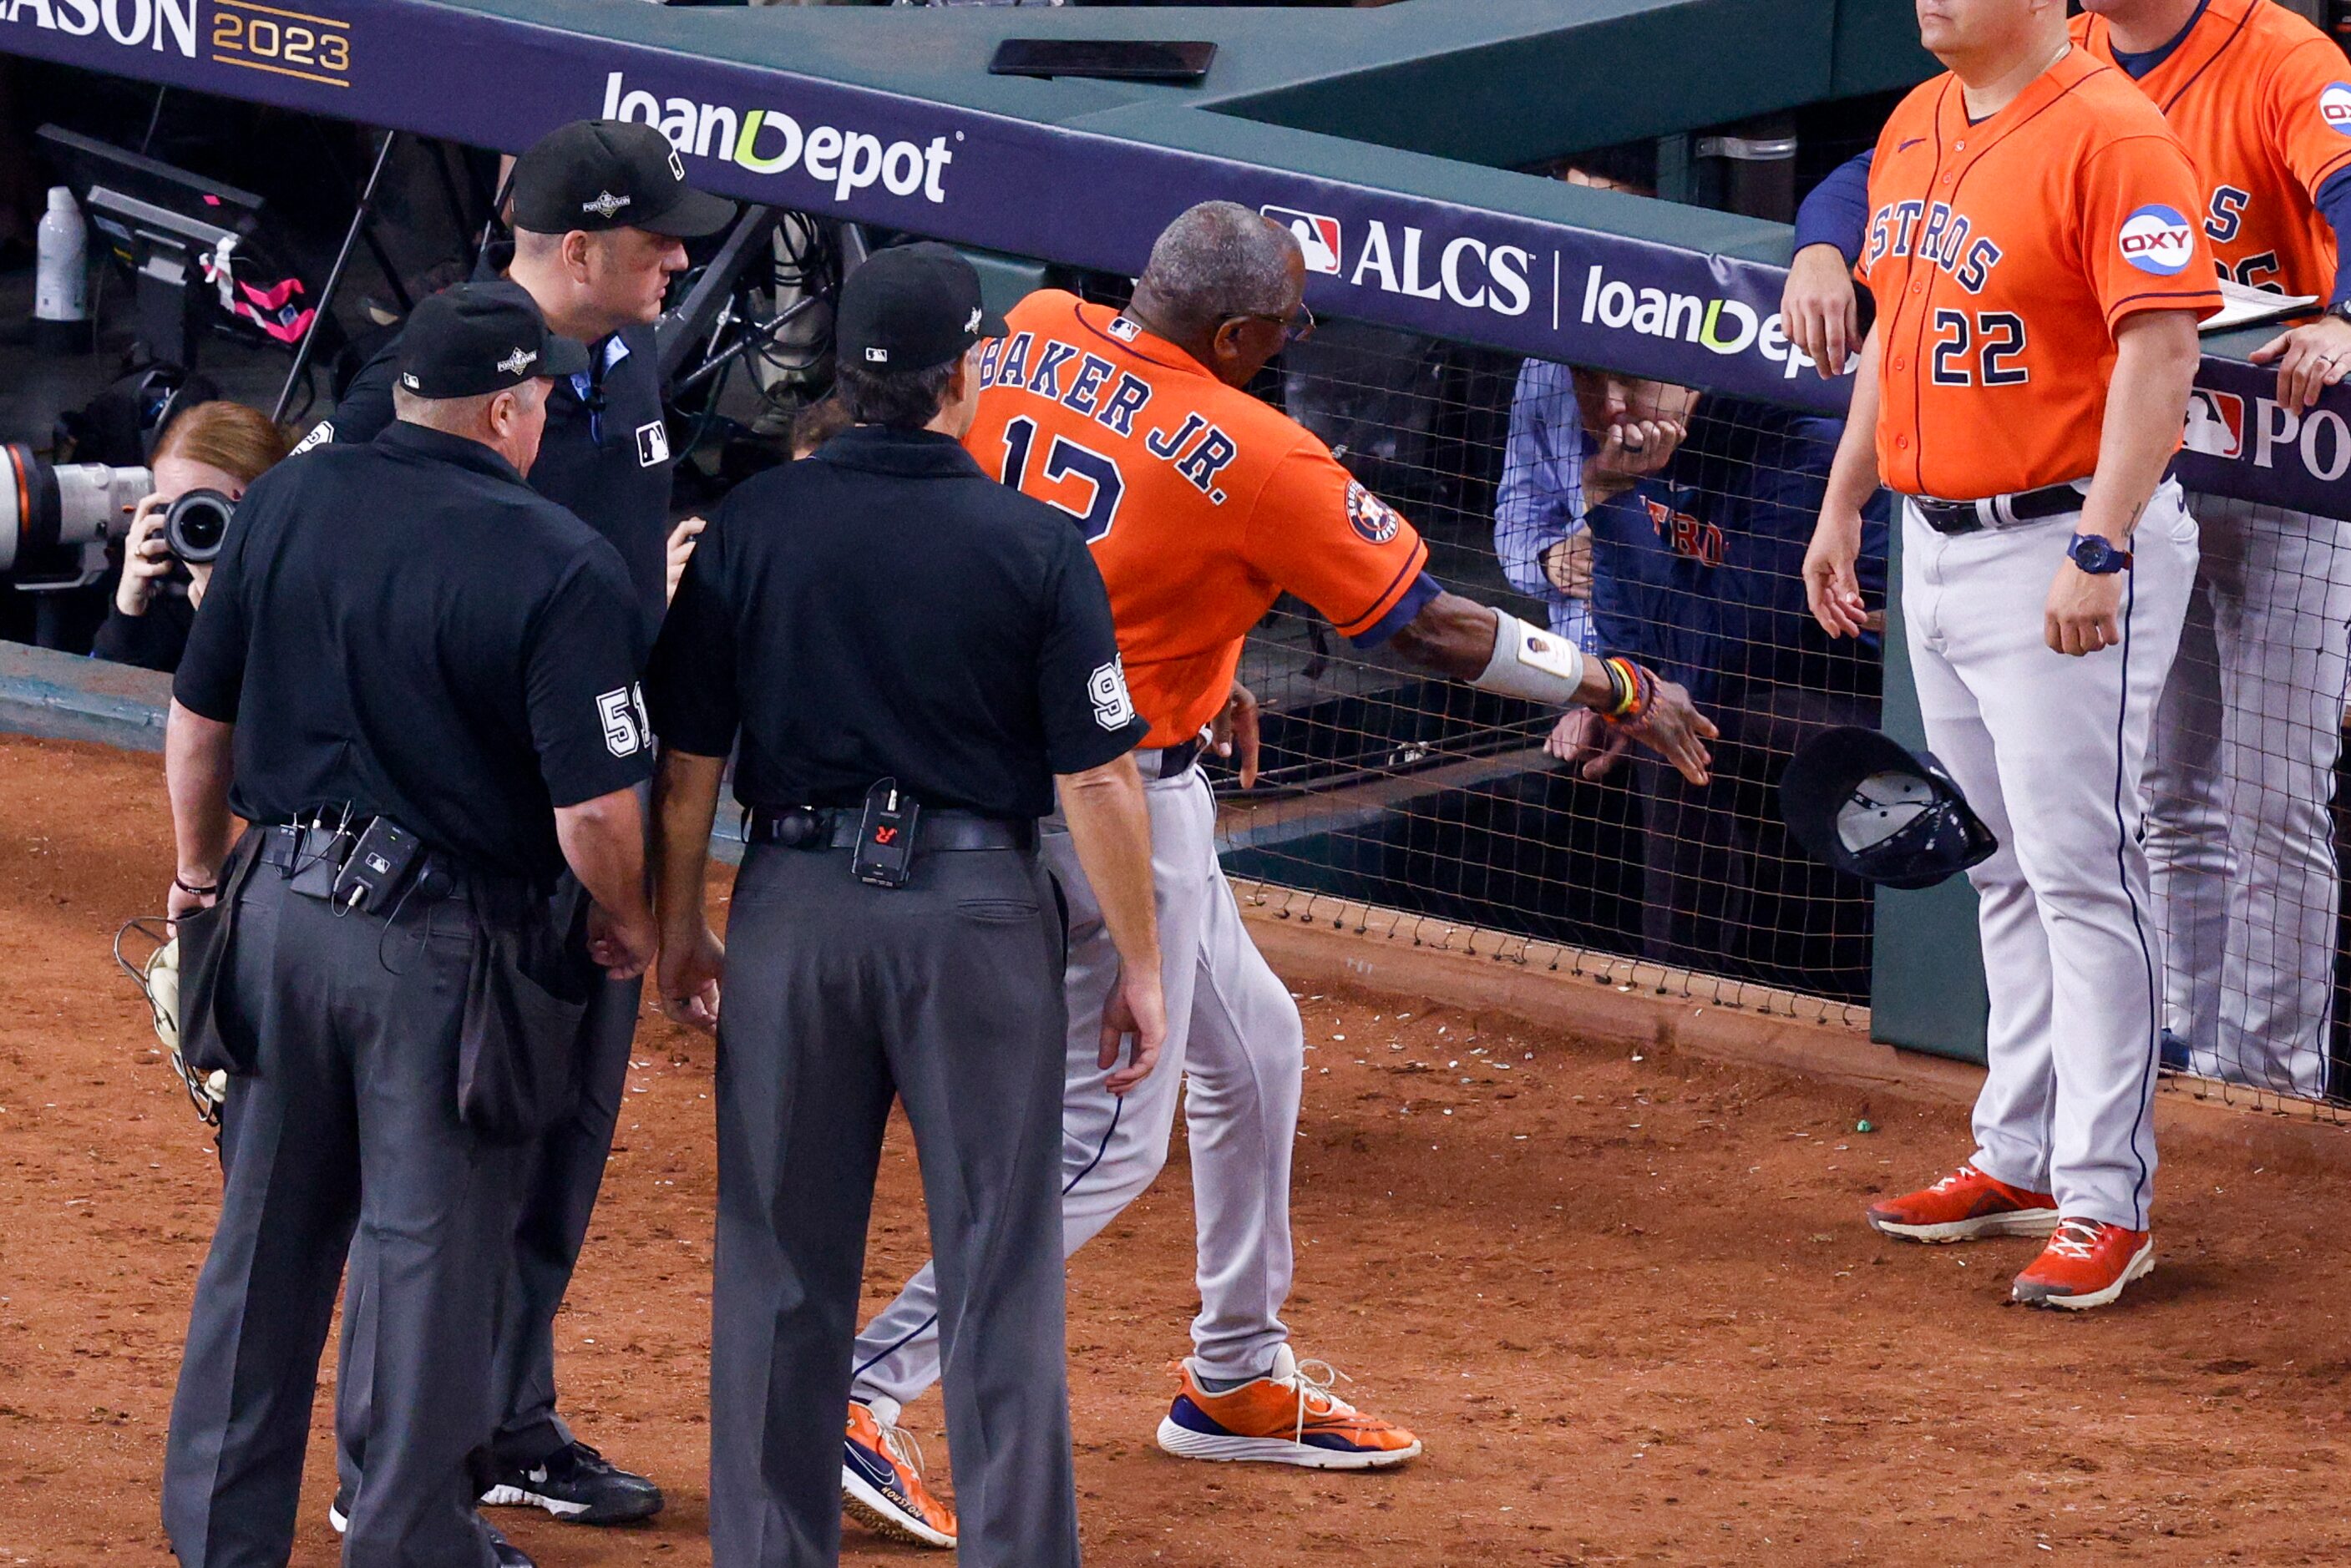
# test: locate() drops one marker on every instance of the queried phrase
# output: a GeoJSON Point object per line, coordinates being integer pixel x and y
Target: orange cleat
{"type": "Point", "coordinates": [2086, 1265]}
{"type": "Point", "coordinates": [1289, 1417]}
{"type": "Point", "coordinates": [1965, 1206]}
{"type": "Point", "coordinates": [881, 1483]}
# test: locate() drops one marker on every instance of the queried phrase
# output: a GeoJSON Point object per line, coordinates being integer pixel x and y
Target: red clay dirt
{"type": "Point", "coordinates": [1628, 1303]}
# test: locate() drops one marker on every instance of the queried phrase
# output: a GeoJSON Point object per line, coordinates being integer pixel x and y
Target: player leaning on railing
{"type": "Point", "coordinates": [1202, 505]}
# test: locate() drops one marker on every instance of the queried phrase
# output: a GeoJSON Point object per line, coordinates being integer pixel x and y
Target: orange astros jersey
{"type": "Point", "coordinates": [1202, 504]}
{"type": "Point", "coordinates": [2003, 256]}
{"type": "Point", "coordinates": [2262, 100]}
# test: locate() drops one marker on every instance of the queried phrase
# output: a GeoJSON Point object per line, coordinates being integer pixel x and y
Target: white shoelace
{"type": "Point", "coordinates": [1314, 1380]}
{"type": "Point", "coordinates": [902, 1445]}
{"type": "Point", "coordinates": [2076, 1239]}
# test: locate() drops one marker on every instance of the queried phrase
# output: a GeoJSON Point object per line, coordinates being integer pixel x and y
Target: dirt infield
{"type": "Point", "coordinates": [1628, 1303]}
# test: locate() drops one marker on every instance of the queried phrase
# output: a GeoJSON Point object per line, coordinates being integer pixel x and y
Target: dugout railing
{"type": "Point", "coordinates": [1381, 138]}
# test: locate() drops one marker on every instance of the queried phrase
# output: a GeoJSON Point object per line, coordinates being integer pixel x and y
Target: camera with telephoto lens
{"type": "Point", "coordinates": [195, 525]}
{"type": "Point", "coordinates": [58, 518]}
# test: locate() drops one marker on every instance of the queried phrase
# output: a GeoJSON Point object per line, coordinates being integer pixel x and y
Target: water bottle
{"type": "Point", "coordinates": [61, 277]}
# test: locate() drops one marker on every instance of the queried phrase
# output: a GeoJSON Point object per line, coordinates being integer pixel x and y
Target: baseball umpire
{"type": "Point", "coordinates": [912, 655]}
{"type": "Point", "coordinates": [2039, 283]}
{"type": "Point", "coordinates": [394, 1005]}
{"type": "Point", "coordinates": [599, 212]}
{"type": "Point", "coordinates": [2240, 841]}
{"type": "Point", "coordinates": [1202, 505]}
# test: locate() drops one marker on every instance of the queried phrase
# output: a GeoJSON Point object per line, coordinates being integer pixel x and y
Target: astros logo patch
{"type": "Point", "coordinates": [2157, 239]}
{"type": "Point", "coordinates": [2334, 107]}
{"type": "Point", "coordinates": [1370, 516]}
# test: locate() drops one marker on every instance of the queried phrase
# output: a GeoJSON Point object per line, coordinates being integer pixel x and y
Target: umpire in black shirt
{"type": "Point", "coordinates": [416, 679]}
{"type": "Point", "coordinates": [911, 654]}
{"type": "Point", "coordinates": [601, 210]}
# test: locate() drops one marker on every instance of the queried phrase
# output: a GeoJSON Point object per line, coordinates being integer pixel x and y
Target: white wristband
{"type": "Point", "coordinates": [1532, 664]}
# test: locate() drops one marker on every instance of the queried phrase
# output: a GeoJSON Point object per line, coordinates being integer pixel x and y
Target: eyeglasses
{"type": "Point", "coordinates": [1296, 328]}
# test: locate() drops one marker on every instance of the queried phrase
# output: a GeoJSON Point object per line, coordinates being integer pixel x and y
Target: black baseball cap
{"type": "Point", "coordinates": [481, 337]}
{"type": "Point", "coordinates": [598, 174]}
{"type": "Point", "coordinates": [911, 307]}
{"type": "Point", "coordinates": [1862, 803]}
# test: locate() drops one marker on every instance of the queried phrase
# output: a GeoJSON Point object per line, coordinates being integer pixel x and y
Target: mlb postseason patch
{"type": "Point", "coordinates": [1370, 516]}
{"type": "Point", "coordinates": [321, 434]}
{"type": "Point", "coordinates": [2157, 239]}
{"type": "Point", "coordinates": [652, 445]}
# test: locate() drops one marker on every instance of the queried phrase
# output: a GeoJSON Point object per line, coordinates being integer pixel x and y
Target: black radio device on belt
{"type": "Point", "coordinates": [378, 864]}
{"type": "Point", "coordinates": [885, 855]}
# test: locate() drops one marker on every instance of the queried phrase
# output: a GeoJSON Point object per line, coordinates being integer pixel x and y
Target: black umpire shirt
{"type": "Point", "coordinates": [408, 627]}
{"type": "Point", "coordinates": [605, 456]}
{"type": "Point", "coordinates": [883, 609]}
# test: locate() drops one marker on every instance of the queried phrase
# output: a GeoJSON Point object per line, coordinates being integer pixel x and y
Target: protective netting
{"type": "Point", "coordinates": [1670, 524]}
{"type": "Point", "coordinates": [2245, 814]}
{"type": "Point", "coordinates": [1679, 539]}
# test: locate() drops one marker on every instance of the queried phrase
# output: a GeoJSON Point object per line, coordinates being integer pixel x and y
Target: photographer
{"type": "Point", "coordinates": [218, 446]}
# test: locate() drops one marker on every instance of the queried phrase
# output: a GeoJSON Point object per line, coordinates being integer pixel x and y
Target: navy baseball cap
{"type": "Point", "coordinates": [481, 337]}
{"type": "Point", "coordinates": [1862, 803]}
{"type": "Point", "coordinates": [598, 174]}
{"type": "Point", "coordinates": [911, 307]}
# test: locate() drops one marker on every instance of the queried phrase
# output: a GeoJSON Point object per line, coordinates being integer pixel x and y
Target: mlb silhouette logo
{"type": "Point", "coordinates": [652, 443]}
{"type": "Point", "coordinates": [1317, 236]}
{"type": "Point", "coordinates": [2216, 423]}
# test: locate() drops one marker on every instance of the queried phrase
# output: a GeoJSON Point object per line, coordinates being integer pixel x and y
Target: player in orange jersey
{"type": "Point", "coordinates": [1202, 505]}
{"type": "Point", "coordinates": [2038, 282]}
{"type": "Point", "coordinates": [2239, 839]}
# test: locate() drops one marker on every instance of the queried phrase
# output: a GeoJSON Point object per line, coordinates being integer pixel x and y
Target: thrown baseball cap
{"type": "Point", "coordinates": [598, 174]}
{"type": "Point", "coordinates": [1862, 802]}
{"type": "Point", "coordinates": [481, 337]}
{"type": "Point", "coordinates": [910, 308]}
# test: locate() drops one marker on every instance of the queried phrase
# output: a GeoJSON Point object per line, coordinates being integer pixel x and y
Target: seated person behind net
{"type": "Point", "coordinates": [218, 445]}
{"type": "Point", "coordinates": [1656, 523]}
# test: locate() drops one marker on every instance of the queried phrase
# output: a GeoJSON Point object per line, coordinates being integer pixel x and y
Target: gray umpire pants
{"type": "Point", "coordinates": [348, 1119]}
{"type": "Point", "coordinates": [947, 994]}
{"type": "Point", "coordinates": [560, 1175]}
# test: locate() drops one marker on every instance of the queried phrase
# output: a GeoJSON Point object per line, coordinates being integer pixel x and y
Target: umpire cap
{"type": "Point", "coordinates": [1862, 803]}
{"type": "Point", "coordinates": [598, 174]}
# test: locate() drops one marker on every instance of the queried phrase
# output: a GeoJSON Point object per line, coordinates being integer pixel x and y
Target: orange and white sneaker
{"type": "Point", "coordinates": [2086, 1265]}
{"type": "Point", "coordinates": [1289, 1417]}
{"type": "Point", "coordinates": [1965, 1206]}
{"type": "Point", "coordinates": [881, 1483]}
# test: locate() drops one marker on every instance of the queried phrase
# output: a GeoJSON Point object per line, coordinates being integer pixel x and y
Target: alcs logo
{"type": "Point", "coordinates": [2157, 240]}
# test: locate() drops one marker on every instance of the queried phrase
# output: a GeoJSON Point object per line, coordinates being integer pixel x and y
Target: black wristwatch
{"type": "Point", "coordinates": [2097, 556]}
{"type": "Point", "coordinates": [2340, 310]}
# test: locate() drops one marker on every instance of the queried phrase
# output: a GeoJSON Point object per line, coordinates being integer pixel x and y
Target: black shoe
{"type": "Point", "coordinates": [2175, 1052]}
{"type": "Point", "coordinates": [339, 1512]}
{"type": "Point", "coordinates": [577, 1484]}
{"type": "Point", "coordinates": [506, 1553]}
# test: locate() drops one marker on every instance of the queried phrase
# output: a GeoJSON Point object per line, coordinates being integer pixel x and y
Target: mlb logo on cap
{"type": "Point", "coordinates": [1317, 236]}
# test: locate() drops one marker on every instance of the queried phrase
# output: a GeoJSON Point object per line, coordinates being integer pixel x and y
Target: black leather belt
{"type": "Point", "coordinates": [1169, 762]}
{"type": "Point", "coordinates": [1998, 512]}
{"type": "Point", "coordinates": [835, 827]}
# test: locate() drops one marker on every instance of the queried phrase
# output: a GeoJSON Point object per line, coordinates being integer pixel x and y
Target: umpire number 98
{"type": "Point", "coordinates": [1997, 340]}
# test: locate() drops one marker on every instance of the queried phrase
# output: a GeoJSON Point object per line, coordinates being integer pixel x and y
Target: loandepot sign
{"type": "Point", "coordinates": [1720, 326]}
{"type": "Point", "coordinates": [770, 141]}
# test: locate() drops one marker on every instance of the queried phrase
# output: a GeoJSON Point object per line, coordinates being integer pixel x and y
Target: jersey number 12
{"type": "Point", "coordinates": [1063, 458]}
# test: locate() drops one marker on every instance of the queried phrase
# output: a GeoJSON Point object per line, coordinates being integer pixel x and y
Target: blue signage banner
{"type": "Point", "coordinates": [1451, 270]}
